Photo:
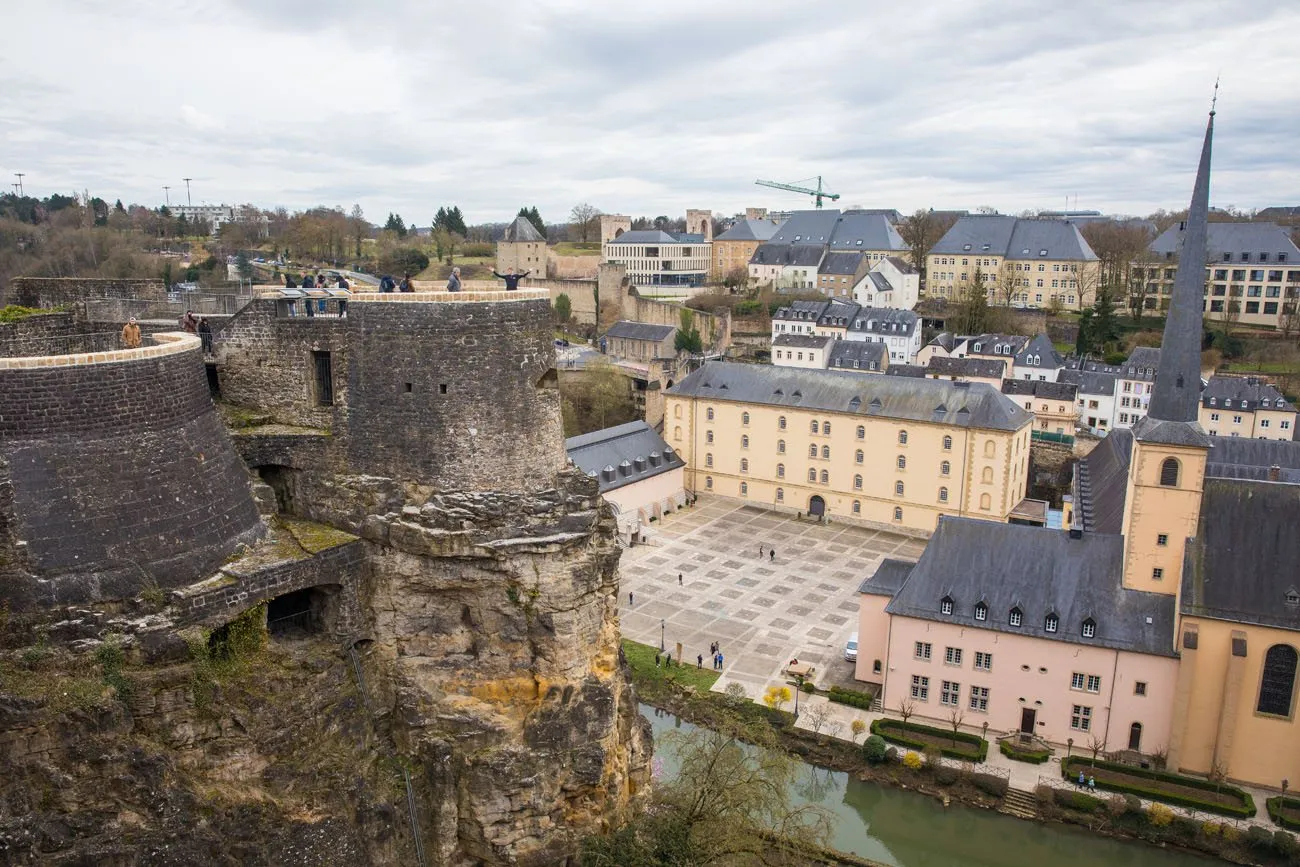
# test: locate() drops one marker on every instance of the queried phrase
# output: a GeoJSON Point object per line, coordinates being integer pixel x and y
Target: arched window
{"type": "Point", "coordinates": [744, 418]}
{"type": "Point", "coordinates": [1015, 617]}
{"type": "Point", "coordinates": [826, 478]}
{"type": "Point", "coordinates": [780, 471]}
{"type": "Point", "coordinates": [708, 483]}
{"type": "Point", "coordinates": [677, 411]}
{"type": "Point", "coordinates": [780, 447]}
{"type": "Point", "coordinates": [857, 507]}
{"type": "Point", "coordinates": [898, 489]}
{"type": "Point", "coordinates": [780, 423]}
{"type": "Point", "coordinates": [677, 432]}
{"type": "Point", "coordinates": [812, 475]}
{"type": "Point", "coordinates": [813, 427]}
{"type": "Point", "coordinates": [1051, 622]}
{"type": "Point", "coordinates": [902, 462]}
{"type": "Point", "coordinates": [1135, 736]}
{"type": "Point", "coordinates": [989, 449]}
{"type": "Point", "coordinates": [708, 459]}
{"type": "Point", "coordinates": [947, 444]}
{"type": "Point", "coordinates": [708, 413]}
{"type": "Point", "coordinates": [986, 502]}
{"type": "Point", "coordinates": [1089, 628]}
{"type": "Point", "coordinates": [862, 432]}
{"type": "Point", "coordinates": [987, 476]}
{"type": "Point", "coordinates": [981, 611]}
{"type": "Point", "coordinates": [780, 495]}
{"type": "Point", "coordinates": [744, 465]}
{"type": "Point", "coordinates": [943, 495]}
{"type": "Point", "coordinates": [744, 441]}
{"type": "Point", "coordinates": [826, 453]}
{"type": "Point", "coordinates": [1169, 473]}
{"type": "Point", "coordinates": [898, 514]}
{"type": "Point", "coordinates": [945, 468]}
{"type": "Point", "coordinates": [744, 489]}
{"type": "Point", "coordinates": [1277, 681]}
{"type": "Point", "coordinates": [858, 456]}
{"type": "Point", "coordinates": [902, 437]}
{"type": "Point", "coordinates": [812, 451]}
{"type": "Point", "coordinates": [826, 428]}
{"type": "Point", "coordinates": [708, 436]}
{"type": "Point", "coordinates": [857, 483]}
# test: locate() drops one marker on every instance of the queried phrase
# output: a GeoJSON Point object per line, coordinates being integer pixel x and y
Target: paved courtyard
{"type": "Point", "coordinates": [764, 612]}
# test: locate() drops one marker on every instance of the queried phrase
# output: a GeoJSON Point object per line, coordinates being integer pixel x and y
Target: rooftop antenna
{"type": "Point", "coordinates": [20, 182]}
{"type": "Point", "coordinates": [188, 200]}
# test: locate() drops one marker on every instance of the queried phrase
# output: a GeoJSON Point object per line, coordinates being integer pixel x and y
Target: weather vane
{"type": "Point", "coordinates": [1215, 100]}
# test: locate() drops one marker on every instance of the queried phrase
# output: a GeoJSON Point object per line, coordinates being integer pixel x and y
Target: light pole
{"type": "Point", "coordinates": [662, 646]}
{"type": "Point", "coordinates": [1069, 745]}
{"type": "Point", "coordinates": [1285, 783]}
{"type": "Point", "coordinates": [986, 730]}
{"type": "Point", "coordinates": [20, 182]}
{"type": "Point", "coordinates": [798, 679]}
{"type": "Point", "coordinates": [167, 193]}
{"type": "Point", "coordinates": [188, 200]}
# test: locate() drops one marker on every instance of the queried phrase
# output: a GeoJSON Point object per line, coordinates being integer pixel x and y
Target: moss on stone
{"type": "Point", "coordinates": [16, 313]}
{"type": "Point", "coordinates": [314, 537]}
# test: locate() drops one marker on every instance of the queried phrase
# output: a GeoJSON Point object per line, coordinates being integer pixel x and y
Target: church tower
{"type": "Point", "coordinates": [1167, 468]}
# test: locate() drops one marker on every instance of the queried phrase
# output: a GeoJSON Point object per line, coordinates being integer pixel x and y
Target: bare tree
{"type": "Point", "coordinates": [817, 717]}
{"type": "Point", "coordinates": [584, 219]}
{"type": "Point", "coordinates": [906, 707]}
{"type": "Point", "coordinates": [1290, 320]}
{"type": "Point", "coordinates": [921, 232]}
{"type": "Point", "coordinates": [1218, 773]}
{"type": "Point", "coordinates": [1008, 283]}
{"type": "Point", "coordinates": [1096, 744]}
{"type": "Point", "coordinates": [955, 719]}
{"type": "Point", "coordinates": [834, 727]}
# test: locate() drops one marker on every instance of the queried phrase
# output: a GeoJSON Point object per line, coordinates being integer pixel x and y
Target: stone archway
{"type": "Point", "coordinates": [816, 506]}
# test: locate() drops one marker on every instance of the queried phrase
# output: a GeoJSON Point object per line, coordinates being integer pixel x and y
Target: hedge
{"type": "Point", "coordinates": [1274, 807]}
{"type": "Point", "coordinates": [1077, 801]}
{"type": "Point", "coordinates": [851, 697]}
{"type": "Point", "coordinates": [976, 752]}
{"type": "Point", "coordinates": [1070, 768]}
{"type": "Point", "coordinates": [1034, 757]}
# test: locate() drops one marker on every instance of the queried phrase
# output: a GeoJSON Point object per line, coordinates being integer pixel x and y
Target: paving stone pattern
{"type": "Point", "coordinates": [764, 613]}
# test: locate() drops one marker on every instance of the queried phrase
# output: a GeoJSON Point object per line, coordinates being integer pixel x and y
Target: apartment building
{"type": "Point", "coordinates": [880, 450]}
{"type": "Point", "coordinates": [892, 283]}
{"type": "Point", "coordinates": [793, 257]}
{"type": "Point", "coordinates": [1252, 273]}
{"type": "Point", "coordinates": [899, 330]}
{"type": "Point", "coordinates": [1246, 406]}
{"type": "Point", "coordinates": [839, 273]}
{"type": "Point", "coordinates": [1052, 403]}
{"type": "Point", "coordinates": [734, 248]}
{"type": "Point", "coordinates": [1136, 383]}
{"type": "Point", "coordinates": [1094, 397]}
{"type": "Point", "coordinates": [1018, 262]}
{"type": "Point", "coordinates": [810, 351]}
{"type": "Point", "coordinates": [1038, 360]}
{"type": "Point", "coordinates": [657, 258]}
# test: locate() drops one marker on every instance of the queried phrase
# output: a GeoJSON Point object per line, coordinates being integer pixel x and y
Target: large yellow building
{"type": "Point", "coordinates": [1246, 406]}
{"type": "Point", "coordinates": [882, 450]}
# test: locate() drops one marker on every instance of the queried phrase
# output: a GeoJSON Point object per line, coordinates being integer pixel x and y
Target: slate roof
{"type": "Point", "coordinates": [639, 331]}
{"type": "Point", "coordinates": [1234, 239]}
{"type": "Point", "coordinates": [946, 339]}
{"type": "Point", "coordinates": [521, 231]}
{"type": "Point", "coordinates": [1039, 388]}
{"type": "Point", "coordinates": [1088, 382]}
{"type": "Point", "coordinates": [1010, 344]}
{"type": "Point", "coordinates": [860, 230]}
{"type": "Point", "coordinates": [1240, 566]}
{"type": "Point", "coordinates": [802, 311]}
{"type": "Point", "coordinates": [884, 320]}
{"type": "Point", "coordinates": [902, 265]}
{"type": "Point", "coordinates": [969, 405]}
{"type": "Point", "coordinates": [1245, 392]}
{"type": "Point", "coordinates": [802, 341]}
{"type": "Point", "coordinates": [797, 255]}
{"type": "Point", "coordinates": [1244, 458]}
{"type": "Point", "coordinates": [880, 281]}
{"type": "Point", "coordinates": [1142, 364]}
{"type": "Point", "coordinates": [749, 230]}
{"type": "Point", "coordinates": [644, 236]}
{"type": "Point", "coordinates": [1041, 572]}
{"type": "Point", "coordinates": [985, 368]}
{"type": "Point", "coordinates": [1040, 346]}
{"type": "Point", "coordinates": [841, 263]}
{"type": "Point", "coordinates": [890, 576]}
{"type": "Point", "coordinates": [839, 313]}
{"type": "Point", "coordinates": [622, 455]}
{"type": "Point", "coordinates": [1014, 238]}
{"type": "Point", "coordinates": [1150, 429]}
{"type": "Point", "coordinates": [808, 227]}
{"type": "Point", "coordinates": [846, 352]}
{"type": "Point", "coordinates": [1074, 362]}
{"type": "Point", "coordinates": [915, 371]}
{"type": "Point", "coordinates": [1101, 483]}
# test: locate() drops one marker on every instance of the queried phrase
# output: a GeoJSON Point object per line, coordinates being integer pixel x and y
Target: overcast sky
{"type": "Point", "coordinates": [650, 108]}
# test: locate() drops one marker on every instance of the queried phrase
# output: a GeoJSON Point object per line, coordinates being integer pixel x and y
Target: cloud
{"type": "Point", "coordinates": [402, 105]}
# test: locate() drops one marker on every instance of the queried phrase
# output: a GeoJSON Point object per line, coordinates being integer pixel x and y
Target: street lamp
{"type": "Point", "coordinates": [1285, 783]}
{"type": "Point", "coordinates": [661, 636]}
{"type": "Point", "coordinates": [798, 679]}
{"type": "Point", "coordinates": [986, 729]}
{"type": "Point", "coordinates": [1069, 745]}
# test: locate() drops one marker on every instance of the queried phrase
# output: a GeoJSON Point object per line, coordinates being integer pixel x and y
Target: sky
{"type": "Point", "coordinates": [650, 108]}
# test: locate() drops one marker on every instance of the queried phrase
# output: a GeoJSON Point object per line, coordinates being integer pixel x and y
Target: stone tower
{"type": "Point", "coordinates": [522, 248]}
{"type": "Point", "coordinates": [1167, 469]}
{"type": "Point", "coordinates": [700, 222]}
{"type": "Point", "coordinates": [613, 225]}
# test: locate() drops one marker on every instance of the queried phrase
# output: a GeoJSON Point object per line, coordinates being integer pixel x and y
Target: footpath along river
{"type": "Point", "coordinates": [906, 829]}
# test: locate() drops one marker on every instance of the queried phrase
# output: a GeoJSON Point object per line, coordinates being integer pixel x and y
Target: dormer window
{"type": "Point", "coordinates": [1016, 617]}
{"type": "Point", "coordinates": [981, 611]}
{"type": "Point", "coordinates": [1051, 623]}
{"type": "Point", "coordinates": [945, 605]}
{"type": "Point", "coordinates": [1292, 597]}
{"type": "Point", "coordinates": [1089, 628]}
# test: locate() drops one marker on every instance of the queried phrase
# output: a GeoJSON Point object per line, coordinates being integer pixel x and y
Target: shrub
{"type": "Point", "coordinates": [1210, 829]}
{"type": "Point", "coordinates": [809, 688]}
{"type": "Point", "coordinates": [1036, 757]}
{"type": "Point", "coordinates": [945, 775]}
{"type": "Point", "coordinates": [991, 784]}
{"type": "Point", "coordinates": [1043, 792]}
{"type": "Point", "coordinates": [1258, 837]}
{"type": "Point", "coordinates": [1229, 833]}
{"type": "Point", "coordinates": [1274, 807]}
{"type": "Point", "coordinates": [891, 754]}
{"type": "Point", "coordinates": [933, 756]}
{"type": "Point", "coordinates": [874, 749]}
{"type": "Point", "coordinates": [735, 694]}
{"type": "Point", "coordinates": [967, 747]}
{"type": "Point", "coordinates": [1147, 784]}
{"type": "Point", "coordinates": [851, 697]}
{"type": "Point", "coordinates": [1073, 800]}
{"type": "Point", "coordinates": [484, 250]}
{"type": "Point", "coordinates": [747, 308]}
{"type": "Point", "coordinates": [1134, 803]}
{"type": "Point", "coordinates": [1159, 815]}
{"type": "Point", "coordinates": [1116, 805]}
{"type": "Point", "coordinates": [1284, 843]}
{"type": "Point", "coordinates": [858, 727]}
{"type": "Point", "coordinates": [912, 761]}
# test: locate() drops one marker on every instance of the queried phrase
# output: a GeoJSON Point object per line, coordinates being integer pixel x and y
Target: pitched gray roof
{"type": "Point", "coordinates": [977, 233]}
{"type": "Point", "coordinates": [1101, 483]}
{"type": "Point", "coordinates": [858, 230]}
{"type": "Point", "coordinates": [1039, 572]}
{"type": "Point", "coordinates": [890, 576]}
{"type": "Point", "coordinates": [915, 371]}
{"type": "Point", "coordinates": [884, 320]}
{"type": "Point", "coordinates": [798, 255]}
{"type": "Point", "coordinates": [846, 352]}
{"type": "Point", "coordinates": [808, 227]}
{"type": "Point", "coordinates": [1241, 563]}
{"type": "Point", "coordinates": [1089, 382]}
{"type": "Point", "coordinates": [839, 312]}
{"type": "Point", "coordinates": [1074, 362]}
{"type": "Point", "coordinates": [1039, 347]}
{"type": "Point", "coordinates": [749, 230]}
{"type": "Point", "coordinates": [802, 311]}
{"type": "Point", "coordinates": [1040, 388]}
{"type": "Point", "coordinates": [880, 281]}
{"type": "Point", "coordinates": [1014, 238]}
{"type": "Point", "coordinates": [1150, 429]}
{"type": "Point", "coordinates": [841, 263]}
{"type": "Point", "coordinates": [902, 265]}
{"type": "Point", "coordinates": [971, 405]}
{"type": "Point", "coordinates": [1244, 458]}
{"type": "Point", "coordinates": [639, 331]}
{"type": "Point", "coordinates": [1143, 363]}
{"type": "Point", "coordinates": [802, 341]}
{"type": "Point", "coordinates": [988, 343]}
{"type": "Point", "coordinates": [985, 368]}
{"type": "Point", "coordinates": [1245, 392]}
{"type": "Point", "coordinates": [1233, 239]}
{"type": "Point", "coordinates": [522, 230]}
{"type": "Point", "coordinates": [621, 455]}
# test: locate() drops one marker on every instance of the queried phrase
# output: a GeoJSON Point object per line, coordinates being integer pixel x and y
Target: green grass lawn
{"type": "Point", "coordinates": [1277, 368]}
{"type": "Point", "coordinates": [577, 248]}
{"type": "Point", "coordinates": [642, 659]}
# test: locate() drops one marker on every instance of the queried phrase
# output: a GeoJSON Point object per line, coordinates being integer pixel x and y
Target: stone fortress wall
{"type": "Point", "coordinates": [118, 474]}
{"type": "Point", "coordinates": [48, 292]}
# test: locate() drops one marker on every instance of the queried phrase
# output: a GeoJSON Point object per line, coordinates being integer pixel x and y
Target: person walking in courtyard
{"type": "Point", "coordinates": [760, 552]}
{"type": "Point", "coordinates": [657, 660]}
{"type": "Point", "coordinates": [629, 599]}
{"type": "Point", "coordinates": [699, 661]}
{"type": "Point", "coordinates": [512, 279]}
{"type": "Point", "coordinates": [679, 579]}
{"type": "Point", "coordinates": [719, 660]}
{"type": "Point", "coordinates": [205, 334]}
{"type": "Point", "coordinates": [453, 282]}
{"type": "Point", "coordinates": [771, 555]}
{"type": "Point", "coordinates": [131, 334]}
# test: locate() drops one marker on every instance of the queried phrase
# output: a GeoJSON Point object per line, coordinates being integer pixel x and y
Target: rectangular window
{"type": "Point", "coordinates": [323, 368]}
{"type": "Point", "coordinates": [983, 661]}
{"type": "Point", "coordinates": [1081, 718]}
{"type": "Point", "coordinates": [1076, 681]}
{"type": "Point", "coordinates": [1158, 573]}
{"type": "Point", "coordinates": [1162, 539]}
{"type": "Point", "coordinates": [922, 650]}
{"type": "Point", "coordinates": [1140, 687]}
{"type": "Point", "coordinates": [952, 656]}
{"type": "Point", "coordinates": [979, 698]}
{"type": "Point", "coordinates": [1094, 683]}
{"type": "Point", "coordinates": [950, 693]}
{"type": "Point", "coordinates": [920, 687]}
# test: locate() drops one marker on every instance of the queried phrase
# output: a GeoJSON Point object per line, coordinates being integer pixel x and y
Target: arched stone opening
{"type": "Point", "coordinates": [301, 613]}
{"type": "Point", "coordinates": [283, 481]}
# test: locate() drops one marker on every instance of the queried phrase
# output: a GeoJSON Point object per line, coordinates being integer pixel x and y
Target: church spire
{"type": "Point", "coordinates": [1178, 381]}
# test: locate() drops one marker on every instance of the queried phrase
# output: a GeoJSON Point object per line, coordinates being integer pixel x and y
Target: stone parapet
{"type": "Point", "coordinates": [168, 343]}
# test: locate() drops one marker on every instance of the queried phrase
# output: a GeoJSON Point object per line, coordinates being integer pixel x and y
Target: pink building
{"type": "Point", "coordinates": [1027, 629]}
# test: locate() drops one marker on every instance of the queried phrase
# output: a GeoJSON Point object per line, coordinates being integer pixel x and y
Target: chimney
{"type": "Point", "coordinates": [1076, 533]}
{"type": "Point", "coordinates": [1275, 473]}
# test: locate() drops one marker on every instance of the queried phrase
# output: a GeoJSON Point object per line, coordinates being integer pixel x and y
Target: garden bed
{"type": "Point", "coordinates": [1284, 812]}
{"type": "Point", "coordinates": [1033, 757]}
{"type": "Point", "coordinates": [970, 748]}
{"type": "Point", "coordinates": [851, 697]}
{"type": "Point", "coordinates": [1160, 786]}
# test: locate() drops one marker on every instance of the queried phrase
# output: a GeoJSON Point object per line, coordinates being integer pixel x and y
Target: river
{"type": "Point", "coordinates": [906, 829]}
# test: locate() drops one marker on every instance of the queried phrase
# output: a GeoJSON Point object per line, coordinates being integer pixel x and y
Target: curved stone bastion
{"type": "Point", "coordinates": [116, 474]}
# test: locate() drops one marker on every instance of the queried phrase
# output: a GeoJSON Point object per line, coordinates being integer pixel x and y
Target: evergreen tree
{"type": "Point", "coordinates": [456, 221]}
{"type": "Point", "coordinates": [118, 207]}
{"type": "Point", "coordinates": [1084, 343]}
{"type": "Point", "coordinates": [396, 224]}
{"type": "Point", "coordinates": [532, 216]}
{"type": "Point", "coordinates": [1105, 326]}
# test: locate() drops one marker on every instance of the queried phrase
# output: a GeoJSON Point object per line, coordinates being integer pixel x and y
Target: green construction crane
{"type": "Point", "coordinates": [818, 194]}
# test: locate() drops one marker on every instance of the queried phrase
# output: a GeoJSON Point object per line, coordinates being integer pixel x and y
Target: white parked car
{"type": "Point", "coordinates": [851, 649]}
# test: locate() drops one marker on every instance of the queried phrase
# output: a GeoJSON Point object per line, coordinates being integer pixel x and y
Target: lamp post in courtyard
{"type": "Point", "coordinates": [986, 730]}
{"type": "Point", "coordinates": [1285, 783]}
{"type": "Point", "coordinates": [1069, 745]}
{"type": "Point", "coordinates": [798, 680]}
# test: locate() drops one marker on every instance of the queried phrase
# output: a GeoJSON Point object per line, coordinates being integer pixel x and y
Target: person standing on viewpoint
{"type": "Point", "coordinates": [512, 279]}
{"type": "Point", "coordinates": [131, 335]}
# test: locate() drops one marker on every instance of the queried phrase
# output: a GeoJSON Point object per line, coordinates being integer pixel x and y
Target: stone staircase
{"type": "Point", "coordinates": [1021, 804]}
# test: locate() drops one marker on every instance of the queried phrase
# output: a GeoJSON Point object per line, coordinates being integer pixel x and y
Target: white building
{"type": "Point", "coordinates": [891, 283]}
{"type": "Point", "coordinates": [219, 215]}
{"type": "Point", "coordinates": [656, 258]}
{"type": "Point", "coordinates": [1038, 361]}
{"type": "Point", "coordinates": [899, 330]}
{"type": "Point", "coordinates": [802, 350]}
{"type": "Point", "coordinates": [639, 474]}
{"type": "Point", "coordinates": [1136, 381]}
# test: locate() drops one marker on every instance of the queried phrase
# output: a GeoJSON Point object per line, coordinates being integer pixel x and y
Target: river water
{"type": "Point", "coordinates": [906, 829]}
